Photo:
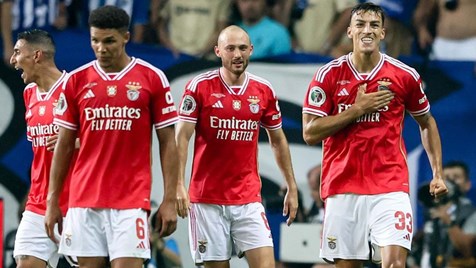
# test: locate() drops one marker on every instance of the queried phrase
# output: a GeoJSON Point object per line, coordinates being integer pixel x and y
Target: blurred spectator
{"type": "Point", "coordinates": [138, 11]}
{"type": "Point", "coordinates": [454, 34]}
{"type": "Point", "coordinates": [191, 27]}
{"type": "Point", "coordinates": [268, 37]}
{"type": "Point", "coordinates": [316, 211]}
{"type": "Point", "coordinates": [21, 15]}
{"type": "Point", "coordinates": [451, 224]}
{"type": "Point", "coordinates": [281, 10]}
{"type": "Point", "coordinates": [323, 27]}
{"type": "Point", "coordinates": [398, 26]}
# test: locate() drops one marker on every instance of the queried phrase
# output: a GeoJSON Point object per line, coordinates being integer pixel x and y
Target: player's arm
{"type": "Point", "coordinates": [167, 217]}
{"type": "Point", "coordinates": [430, 139]}
{"type": "Point", "coordinates": [62, 156]}
{"type": "Point", "coordinates": [316, 128]}
{"type": "Point", "coordinates": [280, 147]}
{"type": "Point", "coordinates": [184, 133]}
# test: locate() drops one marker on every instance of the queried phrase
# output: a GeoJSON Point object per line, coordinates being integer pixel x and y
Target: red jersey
{"type": "Point", "coordinates": [369, 155]}
{"type": "Point", "coordinates": [40, 110]}
{"type": "Point", "coordinates": [114, 115]}
{"type": "Point", "coordinates": [225, 168]}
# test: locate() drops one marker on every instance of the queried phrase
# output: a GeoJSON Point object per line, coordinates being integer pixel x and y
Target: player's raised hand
{"type": "Point", "coordinates": [438, 187]}
{"type": "Point", "coordinates": [371, 102]}
{"type": "Point", "coordinates": [53, 216]}
{"type": "Point", "coordinates": [290, 205]}
{"type": "Point", "coordinates": [183, 201]}
{"type": "Point", "coordinates": [166, 218]}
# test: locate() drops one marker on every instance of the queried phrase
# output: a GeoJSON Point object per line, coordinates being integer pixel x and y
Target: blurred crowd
{"type": "Point", "coordinates": [435, 29]}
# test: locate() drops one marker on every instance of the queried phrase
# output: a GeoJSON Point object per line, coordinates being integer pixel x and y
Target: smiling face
{"type": "Point", "coordinates": [23, 59]}
{"type": "Point", "coordinates": [234, 49]}
{"type": "Point", "coordinates": [366, 31]}
{"type": "Point", "coordinates": [109, 47]}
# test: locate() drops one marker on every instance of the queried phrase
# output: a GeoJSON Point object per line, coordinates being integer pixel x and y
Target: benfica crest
{"type": "Point", "coordinates": [384, 84]}
{"type": "Point", "coordinates": [254, 106]}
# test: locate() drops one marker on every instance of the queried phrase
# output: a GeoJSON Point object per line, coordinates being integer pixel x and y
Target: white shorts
{"type": "Point", "coordinates": [454, 50]}
{"type": "Point", "coordinates": [213, 229]}
{"type": "Point", "coordinates": [115, 233]}
{"type": "Point", "coordinates": [31, 239]}
{"type": "Point", "coordinates": [352, 221]}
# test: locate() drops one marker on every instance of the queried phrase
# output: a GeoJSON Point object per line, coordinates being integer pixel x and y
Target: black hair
{"type": "Point", "coordinates": [109, 17]}
{"type": "Point", "coordinates": [40, 39]}
{"type": "Point", "coordinates": [458, 164]}
{"type": "Point", "coordinates": [368, 7]}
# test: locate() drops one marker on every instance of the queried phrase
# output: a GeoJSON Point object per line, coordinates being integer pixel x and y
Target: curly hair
{"type": "Point", "coordinates": [109, 17]}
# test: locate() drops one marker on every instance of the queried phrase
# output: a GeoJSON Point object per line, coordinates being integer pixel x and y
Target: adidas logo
{"type": "Point", "coordinates": [343, 92]}
{"type": "Point", "coordinates": [407, 237]}
{"type": "Point", "coordinates": [89, 95]}
{"type": "Point", "coordinates": [141, 245]}
{"type": "Point", "coordinates": [217, 104]}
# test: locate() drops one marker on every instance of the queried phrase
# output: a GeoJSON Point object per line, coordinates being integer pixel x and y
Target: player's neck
{"type": "Point", "coordinates": [47, 78]}
{"type": "Point", "coordinates": [365, 63]}
{"type": "Point", "coordinates": [232, 79]}
{"type": "Point", "coordinates": [119, 65]}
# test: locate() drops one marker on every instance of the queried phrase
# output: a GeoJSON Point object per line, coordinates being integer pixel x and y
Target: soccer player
{"type": "Point", "coordinates": [356, 105]}
{"type": "Point", "coordinates": [225, 109]}
{"type": "Point", "coordinates": [33, 55]}
{"type": "Point", "coordinates": [112, 104]}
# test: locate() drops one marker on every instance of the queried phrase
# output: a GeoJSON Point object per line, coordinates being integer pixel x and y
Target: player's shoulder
{"type": "Point", "coordinates": [145, 65]}
{"type": "Point", "coordinates": [259, 80]}
{"type": "Point", "coordinates": [334, 66]}
{"type": "Point", "coordinates": [401, 68]}
{"type": "Point", "coordinates": [82, 69]}
{"type": "Point", "coordinates": [202, 78]}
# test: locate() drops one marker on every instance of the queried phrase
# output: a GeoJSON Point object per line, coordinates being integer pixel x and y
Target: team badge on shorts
{"type": "Point", "coordinates": [254, 106]}
{"type": "Point", "coordinates": [67, 240]}
{"type": "Point", "coordinates": [111, 91]}
{"type": "Point", "coordinates": [317, 96]}
{"type": "Point", "coordinates": [202, 246]}
{"type": "Point", "coordinates": [331, 242]}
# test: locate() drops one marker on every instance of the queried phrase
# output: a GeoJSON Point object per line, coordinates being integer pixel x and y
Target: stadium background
{"type": "Point", "coordinates": [451, 88]}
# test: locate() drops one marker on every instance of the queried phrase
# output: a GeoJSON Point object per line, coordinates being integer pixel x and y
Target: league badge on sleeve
{"type": "Point", "coordinates": [188, 105]}
{"type": "Point", "coordinates": [62, 105]}
{"type": "Point", "coordinates": [316, 96]}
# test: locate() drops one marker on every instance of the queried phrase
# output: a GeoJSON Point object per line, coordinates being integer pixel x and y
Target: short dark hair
{"type": "Point", "coordinates": [109, 17]}
{"type": "Point", "coordinates": [368, 7]}
{"type": "Point", "coordinates": [458, 164]}
{"type": "Point", "coordinates": [40, 39]}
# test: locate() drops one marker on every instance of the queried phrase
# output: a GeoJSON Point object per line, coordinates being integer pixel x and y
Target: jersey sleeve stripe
{"type": "Point", "coordinates": [65, 124]}
{"type": "Point", "coordinates": [166, 123]}
{"type": "Point", "coordinates": [192, 86]}
{"type": "Point", "coordinates": [321, 73]}
{"type": "Point", "coordinates": [273, 127]}
{"type": "Point", "coordinates": [421, 112]}
{"type": "Point", "coordinates": [314, 112]}
{"type": "Point", "coordinates": [160, 73]}
{"type": "Point", "coordinates": [263, 81]}
{"type": "Point", "coordinates": [403, 66]}
{"type": "Point", "coordinates": [188, 119]}
{"type": "Point", "coordinates": [29, 138]}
